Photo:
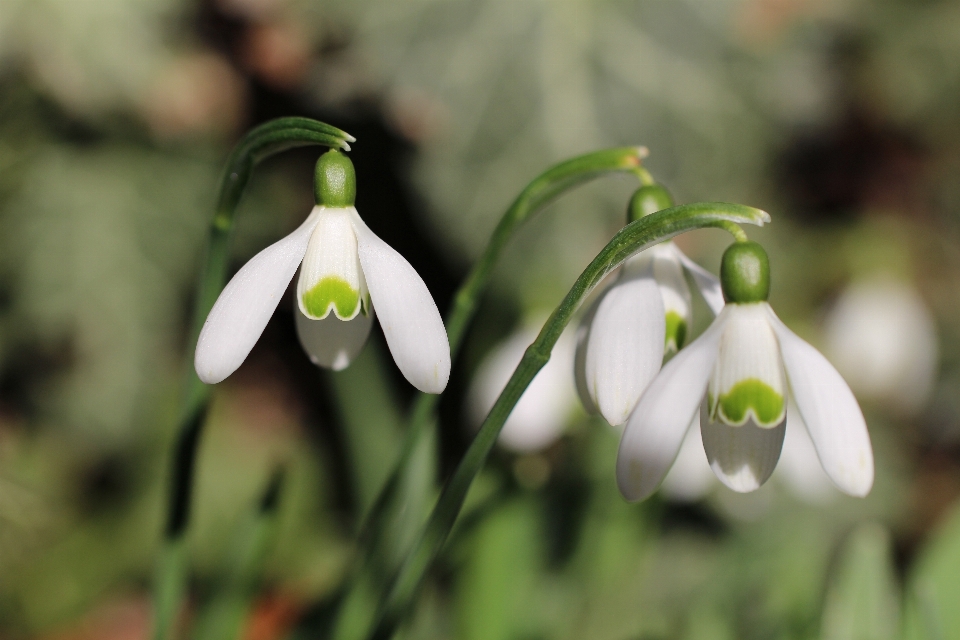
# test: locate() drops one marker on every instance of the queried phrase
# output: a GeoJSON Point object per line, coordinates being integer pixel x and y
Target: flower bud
{"type": "Point", "coordinates": [745, 273]}
{"type": "Point", "coordinates": [646, 200]}
{"type": "Point", "coordinates": [335, 182]}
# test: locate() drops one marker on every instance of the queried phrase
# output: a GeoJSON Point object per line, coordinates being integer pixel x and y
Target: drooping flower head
{"type": "Point", "coordinates": [346, 273]}
{"type": "Point", "coordinates": [643, 316]}
{"type": "Point", "coordinates": [735, 380]}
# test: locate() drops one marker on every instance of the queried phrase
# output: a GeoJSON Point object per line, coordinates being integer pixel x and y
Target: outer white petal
{"type": "Point", "coordinates": [332, 343]}
{"type": "Point", "coordinates": [408, 315]}
{"type": "Point", "coordinates": [625, 346]}
{"type": "Point", "coordinates": [540, 416]}
{"type": "Point", "coordinates": [708, 283]}
{"type": "Point", "coordinates": [831, 413]}
{"type": "Point", "coordinates": [690, 477]}
{"type": "Point", "coordinates": [742, 457]}
{"type": "Point", "coordinates": [245, 305]}
{"type": "Point", "coordinates": [799, 468]}
{"type": "Point", "coordinates": [657, 425]}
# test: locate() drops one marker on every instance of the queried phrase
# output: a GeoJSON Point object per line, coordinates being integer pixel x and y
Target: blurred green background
{"type": "Point", "coordinates": [839, 117]}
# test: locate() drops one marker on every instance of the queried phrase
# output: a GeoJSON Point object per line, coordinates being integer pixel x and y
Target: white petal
{"type": "Point", "coordinates": [331, 278]}
{"type": "Point", "coordinates": [677, 301]}
{"type": "Point", "coordinates": [245, 305]}
{"type": "Point", "coordinates": [748, 384]}
{"type": "Point", "coordinates": [624, 346]}
{"type": "Point", "coordinates": [690, 477]}
{"type": "Point", "coordinates": [743, 457]}
{"type": "Point", "coordinates": [332, 343]}
{"type": "Point", "coordinates": [540, 416]}
{"type": "Point", "coordinates": [408, 315]}
{"type": "Point", "coordinates": [708, 283]}
{"type": "Point", "coordinates": [799, 468]}
{"type": "Point", "coordinates": [831, 413]}
{"type": "Point", "coordinates": [657, 425]}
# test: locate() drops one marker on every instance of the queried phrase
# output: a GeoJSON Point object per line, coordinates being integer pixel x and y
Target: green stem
{"type": "Point", "coordinates": [539, 193]}
{"type": "Point", "coordinates": [543, 190]}
{"type": "Point", "coordinates": [633, 238]}
{"type": "Point", "coordinates": [258, 144]}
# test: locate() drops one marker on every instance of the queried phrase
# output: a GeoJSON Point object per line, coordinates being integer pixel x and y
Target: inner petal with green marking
{"type": "Point", "coordinates": [331, 294]}
{"type": "Point", "coordinates": [676, 333]}
{"type": "Point", "coordinates": [749, 398]}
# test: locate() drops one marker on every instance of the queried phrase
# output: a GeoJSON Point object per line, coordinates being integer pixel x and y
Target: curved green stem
{"type": "Point", "coordinates": [540, 192]}
{"type": "Point", "coordinates": [733, 229]}
{"type": "Point", "coordinates": [258, 144]}
{"type": "Point", "coordinates": [635, 237]}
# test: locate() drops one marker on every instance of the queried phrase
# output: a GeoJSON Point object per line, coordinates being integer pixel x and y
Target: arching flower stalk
{"type": "Point", "coordinates": [645, 315]}
{"type": "Point", "coordinates": [543, 411]}
{"type": "Point", "coordinates": [346, 273]}
{"type": "Point", "coordinates": [739, 374]}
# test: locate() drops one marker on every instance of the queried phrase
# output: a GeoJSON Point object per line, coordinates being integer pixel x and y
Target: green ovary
{"type": "Point", "coordinates": [751, 395]}
{"type": "Point", "coordinates": [331, 291]}
{"type": "Point", "coordinates": [676, 332]}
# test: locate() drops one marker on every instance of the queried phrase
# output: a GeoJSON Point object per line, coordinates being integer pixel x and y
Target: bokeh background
{"type": "Point", "coordinates": [839, 117]}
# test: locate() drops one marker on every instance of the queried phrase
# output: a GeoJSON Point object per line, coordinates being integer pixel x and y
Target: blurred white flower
{"type": "Point", "coordinates": [738, 374]}
{"type": "Point", "coordinates": [542, 412]}
{"type": "Point", "coordinates": [645, 314]}
{"type": "Point", "coordinates": [882, 338]}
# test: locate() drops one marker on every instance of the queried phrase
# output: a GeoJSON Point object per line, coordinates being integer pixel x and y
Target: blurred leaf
{"type": "Point", "coordinates": [494, 587]}
{"type": "Point", "coordinates": [862, 600]}
{"type": "Point", "coordinates": [100, 243]}
{"type": "Point", "coordinates": [371, 422]}
{"type": "Point", "coordinates": [224, 616]}
{"type": "Point", "coordinates": [934, 585]}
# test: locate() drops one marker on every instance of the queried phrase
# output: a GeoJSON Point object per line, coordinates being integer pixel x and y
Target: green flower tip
{"type": "Point", "coordinates": [648, 199]}
{"type": "Point", "coordinates": [335, 181]}
{"type": "Point", "coordinates": [745, 273]}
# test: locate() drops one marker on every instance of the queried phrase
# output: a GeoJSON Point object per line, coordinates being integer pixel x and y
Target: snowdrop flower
{"type": "Point", "coordinates": [883, 340]}
{"type": "Point", "coordinates": [540, 416]}
{"type": "Point", "coordinates": [346, 273]}
{"type": "Point", "coordinates": [739, 373]}
{"type": "Point", "coordinates": [643, 316]}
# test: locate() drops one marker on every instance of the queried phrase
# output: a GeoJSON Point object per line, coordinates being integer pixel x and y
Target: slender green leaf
{"type": "Point", "coordinates": [862, 600]}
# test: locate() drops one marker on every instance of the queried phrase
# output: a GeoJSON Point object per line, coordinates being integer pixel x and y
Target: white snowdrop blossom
{"type": "Point", "coordinates": [543, 410]}
{"type": "Point", "coordinates": [346, 273]}
{"type": "Point", "coordinates": [644, 315]}
{"type": "Point", "coordinates": [739, 375]}
{"type": "Point", "coordinates": [882, 338]}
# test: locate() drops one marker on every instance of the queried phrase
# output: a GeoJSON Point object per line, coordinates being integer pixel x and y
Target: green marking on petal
{"type": "Point", "coordinates": [751, 395]}
{"type": "Point", "coordinates": [676, 333]}
{"type": "Point", "coordinates": [331, 291]}
{"type": "Point", "coordinates": [365, 305]}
